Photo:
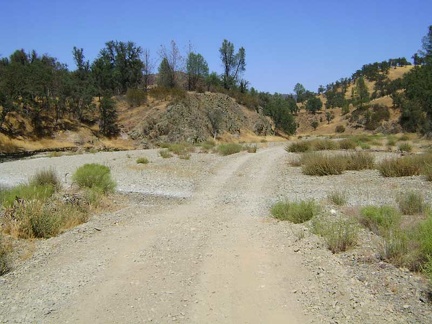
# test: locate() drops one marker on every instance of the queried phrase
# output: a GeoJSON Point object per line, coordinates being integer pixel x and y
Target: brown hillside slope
{"type": "Point", "coordinates": [195, 118]}
{"type": "Point", "coordinates": [186, 118]}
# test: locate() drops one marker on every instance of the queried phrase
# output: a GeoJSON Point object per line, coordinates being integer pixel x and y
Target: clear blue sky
{"type": "Point", "coordinates": [311, 42]}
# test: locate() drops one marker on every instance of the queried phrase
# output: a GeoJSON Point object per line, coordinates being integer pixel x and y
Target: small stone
{"type": "Point", "coordinates": [361, 278]}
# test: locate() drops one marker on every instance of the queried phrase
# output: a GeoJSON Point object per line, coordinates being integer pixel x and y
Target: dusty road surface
{"type": "Point", "coordinates": [208, 254]}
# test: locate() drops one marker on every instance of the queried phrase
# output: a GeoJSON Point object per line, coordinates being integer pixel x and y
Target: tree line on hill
{"type": "Point", "coordinates": [45, 91]}
{"type": "Point", "coordinates": [412, 93]}
{"type": "Point", "coordinates": [42, 89]}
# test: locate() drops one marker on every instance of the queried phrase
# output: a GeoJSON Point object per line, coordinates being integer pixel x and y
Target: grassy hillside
{"type": "Point", "coordinates": [305, 119]}
{"type": "Point", "coordinates": [168, 118]}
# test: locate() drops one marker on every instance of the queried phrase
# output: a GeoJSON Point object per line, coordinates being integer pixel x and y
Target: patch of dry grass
{"type": "Point", "coordinates": [339, 234]}
{"type": "Point", "coordinates": [399, 167]}
{"type": "Point", "coordinates": [320, 164]}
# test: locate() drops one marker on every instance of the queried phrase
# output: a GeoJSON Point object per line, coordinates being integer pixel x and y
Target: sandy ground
{"type": "Point", "coordinates": [195, 244]}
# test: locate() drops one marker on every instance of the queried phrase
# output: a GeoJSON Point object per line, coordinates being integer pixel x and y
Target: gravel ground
{"type": "Point", "coordinates": [195, 244]}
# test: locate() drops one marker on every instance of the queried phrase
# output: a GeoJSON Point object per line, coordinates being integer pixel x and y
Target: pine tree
{"type": "Point", "coordinates": [166, 75]}
{"type": "Point", "coordinates": [360, 93]}
{"type": "Point", "coordinates": [108, 117]}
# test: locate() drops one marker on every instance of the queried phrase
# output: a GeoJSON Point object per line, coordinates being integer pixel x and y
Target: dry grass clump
{"type": "Point", "coordinates": [4, 257]}
{"type": "Point", "coordinates": [46, 177]}
{"type": "Point", "coordinates": [165, 154]}
{"type": "Point", "coordinates": [359, 161]}
{"type": "Point", "coordinates": [208, 145]}
{"type": "Point", "coordinates": [312, 145]}
{"type": "Point", "coordinates": [142, 160]}
{"type": "Point", "coordinates": [400, 167]}
{"type": "Point", "coordinates": [391, 140]}
{"type": "Point", "coordinates": [299, 147]}
{"type": "Point", "coordinates": [35, 210]}
{"type": "Point", "coordinates": [295, 212]}
{"type": "Point", "coordinates": [322, 164]}
{"type": "Point", "coordinates": [39, 210]}
{"type": "Point", "coordinates": [339, 234]}
{"type": "Point", "coordinates": [250, 148]}
{"type": "Point", "coordinates": [385, 221]}
{"type": "Point", "coordinates": [338, 198]}
{"type": "Point", "coordinates": [410, 165]}
{"type": "Point", "coordinates": [411, 202]}
{"type": "Point", "coordinates": [427, 171]}
{"type": "Point", "coordinates": [405, 147]}
{"type": "Point", "coordinates": [38, 219]}
{"type": "Point", "coordinates": [181, 148]}
{"type": "Point", "coordinates": [409, 247]}
{"type": "Point", "coordinates": [324, 145]}
{"type": "Point", "coordinates": [347, 144]}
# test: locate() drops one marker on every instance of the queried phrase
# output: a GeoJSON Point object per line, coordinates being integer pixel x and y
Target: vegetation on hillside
{"type": "Point", "coordinates": [40, 95]}
{"type": "Point", "coordinates": [41, 90]}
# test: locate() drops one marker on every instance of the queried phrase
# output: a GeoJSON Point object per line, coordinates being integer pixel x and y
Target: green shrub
{"type": "Point", "coordinates": [405, 147]}
{"type": "Point", "coordinates": [340, 129]}
{"type": "Point", "coordinates": [4, 257]}
{"type": "Point", "coordinates": [399, 167]}
{"type": "Point", "coordinates": [411, 202]}
{"type": "Point", "coordinates": [347, 144]}
{"type": "Point", "coordinates": [339, 234]}
{"type": "Point", "coordinates": [359, 161]}
{"type": "Point", "coordinates": [25, 192]}
{"type": "Point", "coordinates": [94, 176]}
{"type": "Point", "coordinates": [380, 220]}
{"type": "Point", "coordinates": [295, 212]}
{"type": "Point", "coordinates": [165, 154]}
{"type": "Point", "coordinates": [321, 164]}
{"type": "Point", "coordinates": [338, 198]}
{"type": "Point", "coordinates": [136, 97]}
{"type": "Point", "coordinates": [427, 269]}
{"type": "Point", "coordinates": [230, 148]}
{"type": "Point", "coordinates": [376, 116]}
{"type": "Point", "coordinates": [142, 160]}
{"type": "Point", "coordinates": [46, 177]}
{"type": "Point", "coordinates": [425, 237]}
{"type": "Point", "coordinates": [395, 247]}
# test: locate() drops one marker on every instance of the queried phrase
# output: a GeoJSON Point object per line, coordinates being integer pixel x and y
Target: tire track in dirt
{"type": "Point", "coordinates": [194, 250]}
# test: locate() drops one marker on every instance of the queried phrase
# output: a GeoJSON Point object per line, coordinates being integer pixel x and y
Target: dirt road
{"type": "Point", "coordinates": [215, 257]}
